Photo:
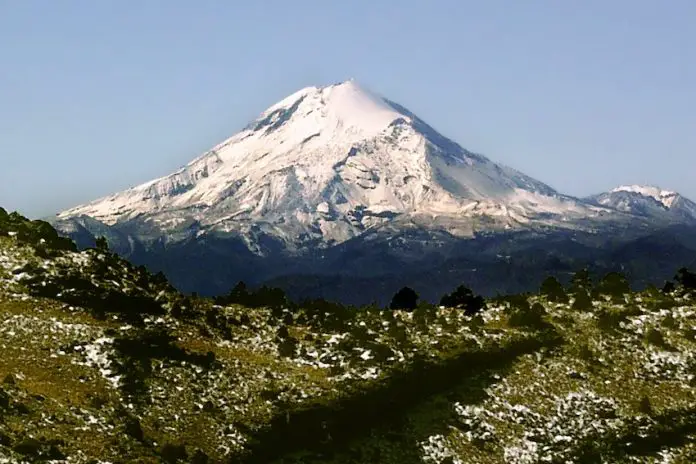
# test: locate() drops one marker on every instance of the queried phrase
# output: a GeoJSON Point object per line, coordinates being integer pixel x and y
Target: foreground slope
{"type": "Point", "coordinates": [104, 362]}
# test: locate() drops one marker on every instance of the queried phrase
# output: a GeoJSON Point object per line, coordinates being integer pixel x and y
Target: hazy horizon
{"type": "Point", "coordinates": [102, 97]}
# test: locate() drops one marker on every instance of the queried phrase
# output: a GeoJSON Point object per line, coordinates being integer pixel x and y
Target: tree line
{"type": "Point", "coordinates": [583, 289]}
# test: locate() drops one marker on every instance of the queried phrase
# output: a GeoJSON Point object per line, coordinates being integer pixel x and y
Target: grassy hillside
{"type": "Point", "coordinates": [102, 362]}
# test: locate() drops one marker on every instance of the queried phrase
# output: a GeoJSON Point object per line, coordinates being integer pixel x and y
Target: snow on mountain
{"type": "Point", "coordinates": [666, 197]}
{"type": "Point", "coordinates": [649, 201]}
{"type": "Point", "coordinates": [324, 165]}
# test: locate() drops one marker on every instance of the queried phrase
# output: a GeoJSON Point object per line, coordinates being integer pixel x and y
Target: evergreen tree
{"type": "Point", "coordinates": [406, 298]}
{"type": "Point", "coordinates": [614, 285]}
{"type": "Point", "coordinates": [553, 290]}
{"type": "Point", "coordinates": [160, 279]}
{"type": "Point", "coordinates": [463, 297]}
{"type": "Point", "coordinates": [269, 296]}
{"type": "Point", "coordinates": [238, 295]}
{"type": "Point", "coordinates": [101, 244]}
{"type": "Point", "coordinates": [581, 281]}
{"type": "Point", "coordinates": [686, 279]}
{"type": "Point", "coordinates": [668, 287]}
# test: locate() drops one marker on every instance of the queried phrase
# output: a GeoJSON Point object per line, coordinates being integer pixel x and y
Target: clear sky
{"type": "Point", "coordinates": [98, 96]}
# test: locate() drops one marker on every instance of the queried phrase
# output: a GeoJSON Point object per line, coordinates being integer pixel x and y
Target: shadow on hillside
{"type": "Point", "coordinates": [73, 288]}
{"type": "Point", "coordinates": [671, 429]}
{"type": "Point", "coordinates": [323, 431]}
{"type": "Point", "coordinates": [135, 354]}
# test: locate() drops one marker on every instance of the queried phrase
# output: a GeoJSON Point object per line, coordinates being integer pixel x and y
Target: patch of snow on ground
{"type": "Point", "coordinates": [96, 355]}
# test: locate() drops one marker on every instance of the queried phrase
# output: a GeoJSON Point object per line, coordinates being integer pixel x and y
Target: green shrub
{"type": "Point", "coordinates": [613, 285]}
{"type": "Point", "coordinates": [610, 319]}
{"type": "Point", "coordinates": [528, 317]}
{"type": "Point", "coordinates": [645, 406]}
{"type": "Point", "coordinates": [40, 450]}
{"type": "Point", "coordinates": [655, 337]}
{"type": "Point", "coordinates": [517, 303]}
{"type": "Point", "coordinates": [582, 301]}
{"type": "Point", "coordinates": [172, 454]}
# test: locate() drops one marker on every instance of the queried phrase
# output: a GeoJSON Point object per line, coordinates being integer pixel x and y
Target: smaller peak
{"type": "Point", "coordinates": [666, 197]}
{"type": "Point", "coordinates": [645, 190]}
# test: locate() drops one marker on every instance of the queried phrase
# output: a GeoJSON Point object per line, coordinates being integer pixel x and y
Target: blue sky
{"type": "Point", "coordinates": [99, 96]}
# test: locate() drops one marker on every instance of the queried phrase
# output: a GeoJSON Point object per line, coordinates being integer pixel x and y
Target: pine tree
{"type": "Point", "coordinates": [614, 285]}
{"type": "Point", "coordinates": [686, 279]}
{"type": "Point", "coordinates": [102, 244]}
{"type": "Point", "coordinates": [581, 281]}
{"type": "Point", "coordinates": [553, 290]}
{"type": "Point", "coordinates": [406, 298]}
{"type": "Point", "coordinates": [463, 297]}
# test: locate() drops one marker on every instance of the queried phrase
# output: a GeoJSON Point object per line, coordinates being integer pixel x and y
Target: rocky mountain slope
{"type": "Point", "coordinates": [104, 362]}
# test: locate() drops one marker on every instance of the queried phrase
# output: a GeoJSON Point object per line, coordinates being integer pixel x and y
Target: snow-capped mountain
{"type": "Point", "coordinates": [335, 185]}
{"type": "Point", "coordinates": [648, 201]}
{"type": "Point", "coordinates": [324, 165]}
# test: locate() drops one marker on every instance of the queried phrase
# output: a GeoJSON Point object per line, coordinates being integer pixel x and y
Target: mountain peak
{"type": "Point", "coordinates": [666, 197]}
{"type": "Point", "coordinates": [346, 107]}
{"type": "Point", "coordinates": [325, 165]}
{"type": "Point", "coordinates": [648, 201]}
